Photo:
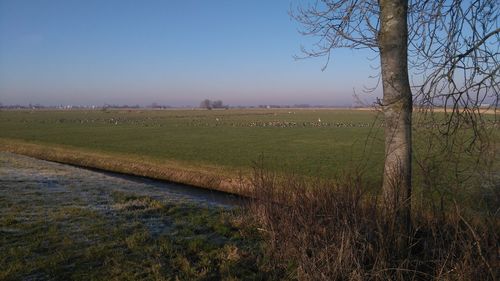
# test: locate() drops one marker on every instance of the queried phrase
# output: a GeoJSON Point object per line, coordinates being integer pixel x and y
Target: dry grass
{"type": "Point", "coordinates": [328, 231]}
{"type": "Point", "coordinates": [205, 177]}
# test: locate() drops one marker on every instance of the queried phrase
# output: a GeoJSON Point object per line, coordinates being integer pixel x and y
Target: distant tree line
{"type": "Point", "coordinates": [209, 104]}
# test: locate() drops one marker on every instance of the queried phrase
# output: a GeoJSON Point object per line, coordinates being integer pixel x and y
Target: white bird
{"type": "Point", "coordinates": [319, 119]}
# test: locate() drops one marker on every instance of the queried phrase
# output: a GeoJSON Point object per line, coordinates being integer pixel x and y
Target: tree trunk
{"type": "Point", "coordinates": [397, 106]}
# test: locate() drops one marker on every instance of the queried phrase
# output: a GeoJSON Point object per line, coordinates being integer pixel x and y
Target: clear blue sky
{"type": "Point", "coordinates": [169, 52]}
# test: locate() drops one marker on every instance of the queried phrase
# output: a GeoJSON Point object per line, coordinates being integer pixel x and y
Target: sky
{"type": "Point", "coordinates": [172, 52]}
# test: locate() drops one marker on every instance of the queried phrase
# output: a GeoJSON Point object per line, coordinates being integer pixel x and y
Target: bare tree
{"type": "Point", "coordinates": [451, 48]}
{"type": "Point", "coordinates": [206, 103]}
{"type": "Point", "coordinates": [217, 104]}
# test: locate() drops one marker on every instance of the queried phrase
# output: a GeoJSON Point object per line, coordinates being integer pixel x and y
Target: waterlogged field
{"type": "Point", "coordinates": [309, 142]}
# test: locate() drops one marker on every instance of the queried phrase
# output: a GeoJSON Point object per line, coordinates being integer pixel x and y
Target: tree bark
{"type": "Point", "coordinates": [397, 107]}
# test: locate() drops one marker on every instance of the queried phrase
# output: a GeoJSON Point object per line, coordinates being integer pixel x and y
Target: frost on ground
{"type": "Point", "coordinates": [64, 222]}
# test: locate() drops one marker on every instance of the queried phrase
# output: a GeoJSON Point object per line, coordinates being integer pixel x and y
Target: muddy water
{"type": "Point", "coordinates": [38, 179]}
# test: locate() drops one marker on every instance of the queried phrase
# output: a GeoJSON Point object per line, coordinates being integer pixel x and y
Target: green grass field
{"type": "Point", "coordinates": [305, 142]}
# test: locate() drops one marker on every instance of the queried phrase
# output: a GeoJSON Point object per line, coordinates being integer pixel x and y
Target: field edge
{"type": "Point", "coordinates": [208, 177]}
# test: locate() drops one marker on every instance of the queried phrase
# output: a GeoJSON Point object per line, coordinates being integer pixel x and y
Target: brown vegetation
{"type": "Point", "coordinates": [211, 178]}
{"type": "Point", "coordinates": [329, 231]}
